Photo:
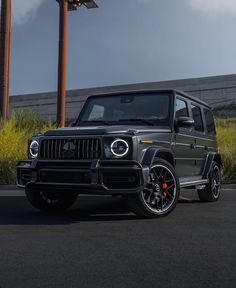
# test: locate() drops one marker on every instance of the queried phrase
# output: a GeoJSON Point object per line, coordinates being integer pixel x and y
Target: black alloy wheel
{"type": "Point", "coordinates": [51, 201]}
{"type": "Point", "coordinates": [211, 192]}
{"type": "Point", "coordinates": [161, 193]}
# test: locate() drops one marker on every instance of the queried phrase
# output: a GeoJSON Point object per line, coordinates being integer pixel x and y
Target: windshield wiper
{"type": "Point", "coordinates": [145, 121]}
{"type": "Point", "coordinates": [96, 121]}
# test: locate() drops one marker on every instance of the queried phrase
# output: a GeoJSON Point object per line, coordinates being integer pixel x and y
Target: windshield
{"type": "Point", "coordinates": [149, 109]}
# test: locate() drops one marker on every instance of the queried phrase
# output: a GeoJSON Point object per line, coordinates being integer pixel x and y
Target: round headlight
{"type": "Point", "coordinates": [34, 149]}
{"type": "Point", "coordinates": [119, 147]}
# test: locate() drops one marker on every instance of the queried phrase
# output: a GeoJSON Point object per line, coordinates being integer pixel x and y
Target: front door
{"type": "Point", "coordinates": [184, 143]}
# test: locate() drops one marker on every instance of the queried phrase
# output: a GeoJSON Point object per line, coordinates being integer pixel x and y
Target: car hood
{"type": "Point", "coordinates": [104, 130]}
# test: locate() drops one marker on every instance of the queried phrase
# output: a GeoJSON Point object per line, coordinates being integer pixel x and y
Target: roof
{"type": "Point", "coordinates": [166, 90]}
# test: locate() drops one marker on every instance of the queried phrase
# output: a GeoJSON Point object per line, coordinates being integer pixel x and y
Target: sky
{"type": "Point", "coordinates": [124, 41]}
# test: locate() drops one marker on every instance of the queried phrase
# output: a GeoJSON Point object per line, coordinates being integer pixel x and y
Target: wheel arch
{"type": "Point", "coordinates": [218, 159]}
{"type": "Point", "coordinates": [210, 158]}
{"type": "Point", "coordinates": [157, 152]}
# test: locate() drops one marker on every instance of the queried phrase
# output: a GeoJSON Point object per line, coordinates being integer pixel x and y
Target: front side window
{"type": "Point", "coordinates": [148, 109]}
{"type": "Point", "coordinates": [210, 123]}
{"type": "Point", "coordinates": [181, 108]}
{"type": "Point", "coordinates": [197, 117]}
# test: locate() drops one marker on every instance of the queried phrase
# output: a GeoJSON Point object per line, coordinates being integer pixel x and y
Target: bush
{"type": "Point", "coordinates": [14, 135]}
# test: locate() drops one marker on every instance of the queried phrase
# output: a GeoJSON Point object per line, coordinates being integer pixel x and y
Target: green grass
{"type": "Point", "coordinates": [226, 138]}
{"type": "Point", "coordinates": [14, 135]}
{"type": "Point", "coordinates": [15, 132]}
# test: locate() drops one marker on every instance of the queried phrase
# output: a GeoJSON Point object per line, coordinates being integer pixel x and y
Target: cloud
{"type": "Point", "coordinates": [24, 10]}
{"type": "Point", "coordinates": [214, 6]}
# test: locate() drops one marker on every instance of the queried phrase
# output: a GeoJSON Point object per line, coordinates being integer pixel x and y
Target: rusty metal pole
{"type": "Point", "coordinates": [61, 101]}
{"type": "Point", "coordinates": [5, 41]}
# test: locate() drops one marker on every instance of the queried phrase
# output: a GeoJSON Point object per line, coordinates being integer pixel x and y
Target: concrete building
{"type": "Point", "coordinates": [218, 91]}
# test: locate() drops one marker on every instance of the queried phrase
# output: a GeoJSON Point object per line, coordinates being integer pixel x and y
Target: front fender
{"type": "Point", "coordinates": [153, 152]}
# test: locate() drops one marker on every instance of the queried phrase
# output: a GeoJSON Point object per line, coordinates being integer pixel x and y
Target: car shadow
{"type": "Point", "coordinates": [184, 200]}
{"type": "Point", "coordinates": [15, 210]}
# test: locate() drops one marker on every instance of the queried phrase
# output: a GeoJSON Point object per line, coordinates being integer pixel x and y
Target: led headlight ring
{"type": "Point", "coordinates": [116, 150]}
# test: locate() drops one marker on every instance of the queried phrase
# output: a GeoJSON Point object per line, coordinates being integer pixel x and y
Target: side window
{"type": "Point", "coordinates": [197, 117]}
{"type": "Point", "coordinates": [181, 108]}
{"type": "Point", "coordinates": [210, 123]}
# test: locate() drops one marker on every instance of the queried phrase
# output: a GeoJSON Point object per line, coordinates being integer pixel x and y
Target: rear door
{"type": "Point", "coordinates": [200, 138]}
{"type": "Point", "coordinates": [210, 139]}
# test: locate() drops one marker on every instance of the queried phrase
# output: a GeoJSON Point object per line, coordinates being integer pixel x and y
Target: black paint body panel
{"type": "Point", "coordinates": [190, 152]}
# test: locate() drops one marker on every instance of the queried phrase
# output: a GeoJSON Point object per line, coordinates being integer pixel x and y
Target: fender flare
{"type": "Point", "coordinates": [212, 156]}
{"type": "Point", "coordinates": [151, 153]}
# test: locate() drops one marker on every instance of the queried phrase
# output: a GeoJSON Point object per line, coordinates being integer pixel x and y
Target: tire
{"type": "Point", "coordinates": [51, 201]}
{"type": "Point", "coordinates": [161, 193]}
{"type": "Point", "coordinates": [211, 192]}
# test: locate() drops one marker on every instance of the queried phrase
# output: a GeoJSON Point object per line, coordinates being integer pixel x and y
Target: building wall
{"type": "Point", "coordinates": [216, 91]}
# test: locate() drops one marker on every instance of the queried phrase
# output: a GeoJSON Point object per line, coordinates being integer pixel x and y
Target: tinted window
{"type": "Point", "coordinates": [154, 108]}
{"type": "Point", "coordinates": [197, 117]}
{"type": "Point", "coordinates": [209, 122]}
{"type": "Point", "coordinates": [181, 108]}
{"type": "Point", "coordinates": [96, 113]}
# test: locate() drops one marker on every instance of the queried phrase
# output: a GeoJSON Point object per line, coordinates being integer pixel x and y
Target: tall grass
{"type": "Point", "coordinates": [226, 138]}
{"type": "Point", "coordinates": [14, 135]}
{"type": "Point", "coordinates": [15, 132]}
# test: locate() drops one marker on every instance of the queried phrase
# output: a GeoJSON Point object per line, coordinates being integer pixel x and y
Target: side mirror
{"type": "Point", "coordinates": [184, 122]}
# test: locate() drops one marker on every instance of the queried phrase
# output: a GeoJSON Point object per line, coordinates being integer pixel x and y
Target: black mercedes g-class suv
{"type": "Point", "coordinates": [144, 145]}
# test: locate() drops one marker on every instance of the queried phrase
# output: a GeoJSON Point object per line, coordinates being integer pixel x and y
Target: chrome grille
{"type": "Point", "coordinates": [70, 149]}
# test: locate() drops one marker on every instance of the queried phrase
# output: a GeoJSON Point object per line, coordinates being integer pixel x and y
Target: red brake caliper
{"type": "Point", "coordinates": [164, 186]}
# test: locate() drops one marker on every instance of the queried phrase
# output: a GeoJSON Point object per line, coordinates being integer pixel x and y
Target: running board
{"type": "Point", "coordinates": [194, 183]}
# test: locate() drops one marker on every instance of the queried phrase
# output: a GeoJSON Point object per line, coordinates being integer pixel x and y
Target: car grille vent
{"type": "Point", "coordinates": [70, 149]}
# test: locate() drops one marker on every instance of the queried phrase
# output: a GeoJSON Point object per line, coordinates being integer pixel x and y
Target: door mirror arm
{"type": "Point", "coordinates": [183, 122]}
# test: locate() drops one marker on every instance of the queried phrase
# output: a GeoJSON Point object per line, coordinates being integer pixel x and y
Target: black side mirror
{"type": "Point", "coordinates": [184, 122]}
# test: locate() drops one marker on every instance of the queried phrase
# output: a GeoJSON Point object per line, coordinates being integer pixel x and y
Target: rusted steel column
{"type": "Point", "coordinates": [5, 41]}
{"type": "Point", "coordinates": [61, 101]}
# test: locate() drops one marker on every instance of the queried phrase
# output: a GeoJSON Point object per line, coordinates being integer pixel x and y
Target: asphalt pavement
{"type": "Point", "coordinates": [98, 243]}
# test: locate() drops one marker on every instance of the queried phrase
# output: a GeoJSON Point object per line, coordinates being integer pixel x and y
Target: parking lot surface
{"type": "Point", "coordinates": [98, 243]}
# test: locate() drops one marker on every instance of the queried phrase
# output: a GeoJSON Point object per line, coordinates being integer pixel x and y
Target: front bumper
{"type": "Point", "coordinates": [109, 177]}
